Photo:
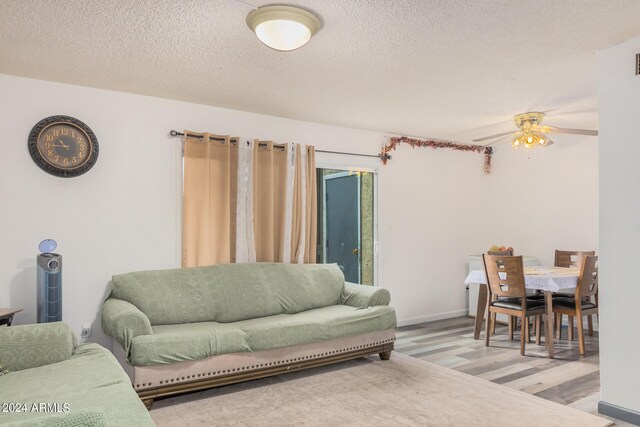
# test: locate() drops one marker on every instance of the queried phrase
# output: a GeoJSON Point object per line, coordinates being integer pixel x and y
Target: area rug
{"type": "Point", "coordinates": [403, 391]}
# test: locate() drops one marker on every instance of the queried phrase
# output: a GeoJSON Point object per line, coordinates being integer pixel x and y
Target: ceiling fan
{"type": "Point", "coordinates": [532, 132]}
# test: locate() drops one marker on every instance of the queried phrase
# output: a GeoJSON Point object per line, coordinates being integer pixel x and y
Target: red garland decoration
{"type": "Point", "coordinates": [396, 140]}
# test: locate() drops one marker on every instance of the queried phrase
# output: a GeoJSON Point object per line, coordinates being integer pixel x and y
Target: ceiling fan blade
{"type": "Point", "coordinates": [497, 141]}
{"type": "Point", "coordinates": [492, 136]}
{"type": "Point", "coordinates": [554, 129]}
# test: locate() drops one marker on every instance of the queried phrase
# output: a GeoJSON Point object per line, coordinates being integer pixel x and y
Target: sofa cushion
{"type": "Point", "coordinates": [187, 341]}
{"type": "Point", "coordinates": [29, 346]}
{"type": "Point", "coordinates": [311, 326]}
{"type": "Point", "coordinates": [91, 378]}
{"type": "Point", "coordinates": [229, 292]}
{"type": "Point", "coordinates": [85, 417]}
{"type": "Point", "coordinates": [197, 341]}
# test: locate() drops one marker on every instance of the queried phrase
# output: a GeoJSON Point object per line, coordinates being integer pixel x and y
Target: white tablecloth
{"type": "Point", "coordinates": [541, 278]}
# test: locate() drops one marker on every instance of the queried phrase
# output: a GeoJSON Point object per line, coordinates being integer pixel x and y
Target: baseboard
{"type": "Point", "coordinates": [620, 413]}
{"type": "Point", "coordinates": [432, 317]}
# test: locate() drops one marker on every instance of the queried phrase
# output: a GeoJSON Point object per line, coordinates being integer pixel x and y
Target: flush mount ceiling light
{"type": "Point", "coordinates": [283, 28]}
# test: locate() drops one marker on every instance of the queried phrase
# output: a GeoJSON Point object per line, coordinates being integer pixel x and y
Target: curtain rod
{"type": "Point", "coordinates": [378, 156]}
{"type": "Point", "coordinates": [234, 141]}
{"type": "Point", "coordinates": [175, 133]}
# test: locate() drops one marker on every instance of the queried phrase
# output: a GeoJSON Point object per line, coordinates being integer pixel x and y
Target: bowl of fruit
{"type": "Point", "coordinates": [496, 248]}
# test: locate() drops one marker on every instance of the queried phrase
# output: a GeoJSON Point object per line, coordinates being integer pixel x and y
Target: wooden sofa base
{"type": "Point", "coordinates": [147, 396]}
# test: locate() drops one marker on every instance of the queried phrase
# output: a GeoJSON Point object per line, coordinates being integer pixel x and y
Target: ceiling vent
{"type": "Point", "coordinates": [637, 64]}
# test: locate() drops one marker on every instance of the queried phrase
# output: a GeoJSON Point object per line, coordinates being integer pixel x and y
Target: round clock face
{"type": "Point", "coordinates": [63, 146]}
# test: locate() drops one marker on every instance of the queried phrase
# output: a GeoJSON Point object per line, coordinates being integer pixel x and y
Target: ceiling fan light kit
{"type": "Point", "coordinates": [531, 131]}
{"type": "Point", "coordinates": [282, 27]}
{"type": "Point", "coordinates": [530, 140]}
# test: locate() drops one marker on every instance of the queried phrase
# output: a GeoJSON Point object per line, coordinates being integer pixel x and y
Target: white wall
{"type": "Point", "coordinates": [435, 205]}
{"type": "Point", "coordinates": [540, 200]}
{"type": "Point", "coordinates": [428, 229]}
{"type": "Point", "coordinates": [619, 101]}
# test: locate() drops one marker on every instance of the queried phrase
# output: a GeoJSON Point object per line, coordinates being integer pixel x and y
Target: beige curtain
{"type": "Point", "coordinates": [209, 200]}
{"type": "Point", "coordinates": [270, 165]}
{"type": "Point", "coordinates": [269, 199]}
{"type": "Point", "coordinates": [284, 214]}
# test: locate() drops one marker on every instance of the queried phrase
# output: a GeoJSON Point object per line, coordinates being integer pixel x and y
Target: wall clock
{"type": "Point", "coordinates": [63, 146]}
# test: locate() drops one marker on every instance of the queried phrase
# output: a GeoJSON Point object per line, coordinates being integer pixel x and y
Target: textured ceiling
{"type": "Point", "coordinates": [451, 69]}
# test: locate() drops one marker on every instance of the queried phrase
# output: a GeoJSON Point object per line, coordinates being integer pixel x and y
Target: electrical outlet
{"type": "Point", "coordinates": [86, 330]}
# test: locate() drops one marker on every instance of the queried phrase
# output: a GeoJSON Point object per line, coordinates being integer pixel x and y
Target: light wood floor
{"type": "Point", "coordinates": [568, 379]}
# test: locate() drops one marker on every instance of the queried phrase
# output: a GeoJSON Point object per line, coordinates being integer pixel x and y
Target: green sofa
{"type": "Point", "coordinates": [194, 328]}
{"type": "Point", "coordinates": [48, 380]}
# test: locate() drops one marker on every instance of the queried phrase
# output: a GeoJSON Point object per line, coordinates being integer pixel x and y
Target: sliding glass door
{"type": "Point", "coordinates": [346, 222]}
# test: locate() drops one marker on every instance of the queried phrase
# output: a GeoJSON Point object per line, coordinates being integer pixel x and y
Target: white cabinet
{"type": "Point", "coordinates": [475, 263]}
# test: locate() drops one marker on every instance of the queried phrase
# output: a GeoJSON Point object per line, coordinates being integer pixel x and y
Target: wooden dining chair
{"type": "Point", "coordinates": [584, 303]}
{"type": "Point", "coordinates": [512, 320]}
{"type": "Point", "coordinates": [508, 252]}
{"type": "Point", "coordinates": [568, 259]}
{"type": "Point", "coordinates": [571, 258]}
{"type": "Point", "coordinates": [508, 294]}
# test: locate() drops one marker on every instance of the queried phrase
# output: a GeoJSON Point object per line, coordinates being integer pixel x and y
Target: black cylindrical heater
{"type": "Point", "coordinates": [49, 276]}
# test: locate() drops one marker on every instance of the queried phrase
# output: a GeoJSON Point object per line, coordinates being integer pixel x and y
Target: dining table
{"type": "Point", "coordinates": [540, 278]}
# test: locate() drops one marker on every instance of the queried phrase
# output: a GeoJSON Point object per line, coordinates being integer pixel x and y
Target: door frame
{"type": "Point", "coordinates": [325, 178]}
{"type": "Point", "coordinates": [360, 164]}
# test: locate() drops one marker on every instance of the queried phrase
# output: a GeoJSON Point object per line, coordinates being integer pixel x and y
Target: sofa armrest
{"type": "Point", "coordinates": [29, 346]}
{"type": "Point", "coordinates": [124, 321]}
{"type": "Point", "coordinates": [363, 296]}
